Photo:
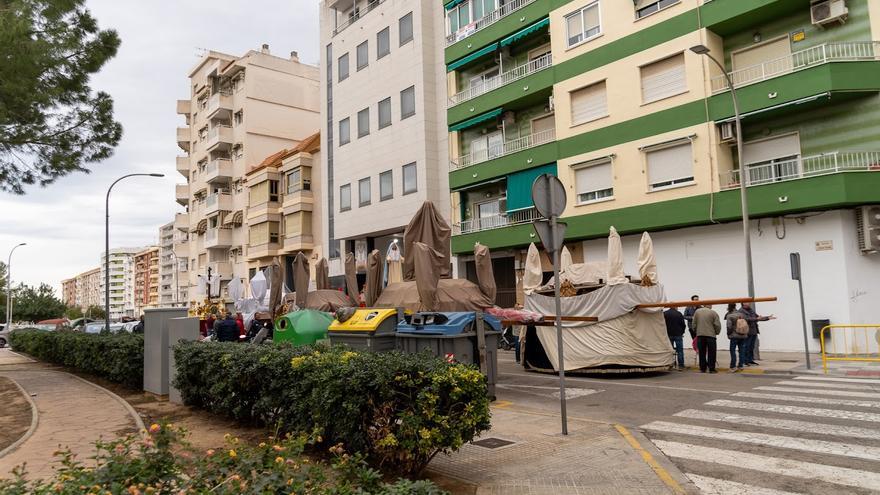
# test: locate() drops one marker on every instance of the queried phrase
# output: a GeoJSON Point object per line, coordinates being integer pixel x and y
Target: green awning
{"type": "Point", "coordinates": [476, 120]}
{"type": "Point", "coordinates": [519, 186]}
{"type": "Point", "coordinates": [473, 56]}
{"type": "Point", "coordinates": [522, 33]}
{"type": "Point", "coordinates": [452, 4]}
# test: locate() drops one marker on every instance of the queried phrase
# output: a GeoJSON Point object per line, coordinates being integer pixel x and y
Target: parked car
{"type": "Point", "coordinates": [4, 336]}
{"type": "Point", "coordinates": [98, 327]}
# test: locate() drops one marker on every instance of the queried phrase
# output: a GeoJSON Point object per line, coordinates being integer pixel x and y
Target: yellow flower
{"type": "Point", "coordinates": [278, 448]}
{"type": "Point", "coordinates": [279, 459]}
{"type": "Point", "coordinates": [232, 453]}
{"type": "Point", "coordinates": [262, 444]}
{"type": "Point", "coordinates": [297, 361]}
{"type": "Point", "coordinates": [210, 452]}
{"type": "Point", "coordinates": [154, 428]}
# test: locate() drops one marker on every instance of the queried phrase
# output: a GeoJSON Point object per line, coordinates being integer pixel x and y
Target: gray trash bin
{"type": "Point", "coordinates": [452, 336]}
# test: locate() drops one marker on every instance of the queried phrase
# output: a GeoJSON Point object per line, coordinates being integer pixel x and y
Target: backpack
{"type": "Point", "coordinates": [742, 327]}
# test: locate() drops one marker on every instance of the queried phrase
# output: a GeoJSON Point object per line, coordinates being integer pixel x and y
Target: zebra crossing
{"type": "Point", "coordinates": [806, 435]}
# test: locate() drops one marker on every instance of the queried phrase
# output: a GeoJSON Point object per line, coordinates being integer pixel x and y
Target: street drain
{"type": "Point", "coordinates": [492, 443]}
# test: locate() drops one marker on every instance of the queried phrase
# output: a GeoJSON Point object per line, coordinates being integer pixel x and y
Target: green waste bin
{"type": "Point", "coordinates": [302, 327]}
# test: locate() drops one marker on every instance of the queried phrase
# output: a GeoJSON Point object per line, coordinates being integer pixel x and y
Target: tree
{"type": "Point", "coordinates": [95, 312]}
{"type": "Point", "coordinates": [35, 304]}
{"type": "Point", "coordinates": [51, 123]}
{"type": "Point", "coordinates": [73, 312]}
{"type": "Point", "coordinates": [4, 292]}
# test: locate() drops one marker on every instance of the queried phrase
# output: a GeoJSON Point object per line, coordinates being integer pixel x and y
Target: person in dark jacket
{"type": "Point", "coordinates": [737, 341]}
{"type": "Point", "coordinates": [139, 328]}
{"type": "Point", "coordinates": [689, 316]}
{"type": "Point", "coordinates": [226, 329]}
{"type": "Point", "coordinates": [675, 325]}
{"type": "Point", "coordinates": [753, 318]}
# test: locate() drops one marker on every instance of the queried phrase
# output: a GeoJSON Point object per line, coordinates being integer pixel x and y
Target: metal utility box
{"type": "Point", "coordinates": [179, 329]}
{"type": "Point", "coordinates": [156, 347]}
{"type": "Point", "coordinates": [370, 329]}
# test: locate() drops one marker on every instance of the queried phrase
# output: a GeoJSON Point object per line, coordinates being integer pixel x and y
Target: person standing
{"type": "Point", "coordinates": [736, 325]}
{"type": "Point", "coordinates": [675, 325]}
{"type": "Point", "coordinates": [689, 316]}
{"type": "Point", "coordinates": [707, 326]}
{"type": "Point", "coordinates": [752, 318]}
{"type": "Point", "coordinates": [239, 322]}
{"type": "Point", "coordinates": [226, 330]}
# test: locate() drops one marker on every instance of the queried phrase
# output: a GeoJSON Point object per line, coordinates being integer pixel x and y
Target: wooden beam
{"type": "Point", "coordinates": [706, 302]}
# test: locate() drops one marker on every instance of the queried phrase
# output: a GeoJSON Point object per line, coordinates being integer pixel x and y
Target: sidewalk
{"type": "Point", "coordinates": [524, 453]}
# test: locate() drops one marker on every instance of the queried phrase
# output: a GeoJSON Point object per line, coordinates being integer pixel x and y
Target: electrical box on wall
{"type": "Point", "coordinates": [828, 11]}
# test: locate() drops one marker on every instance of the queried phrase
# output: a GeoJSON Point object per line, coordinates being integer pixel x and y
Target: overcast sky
{"type": "Point", "coordinates": [63, 224]}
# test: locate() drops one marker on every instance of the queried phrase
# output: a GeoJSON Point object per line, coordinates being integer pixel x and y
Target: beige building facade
{"type": "Point", "coordinates": [240, 110]}
{"type": "Point", "coordinates": [146, 280]}
{"type": "Point", "coordinates": [83, 290]}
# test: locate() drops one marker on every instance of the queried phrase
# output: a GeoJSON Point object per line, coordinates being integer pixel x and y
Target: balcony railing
{"type": "Point", "coordinates": [801, 167]}
{"type": "Point", "coordinates": [356, 15]}
{"type": "Point", "coordinates": [486, 21]}
{"type": "Point", "coordinates": [504, 79]}
{"type": "Point", "coordinates": [508, 219]}
{"type": "Point", "coordinates": [853, 51]}
{"type": "Point", "coordinates": [504, 149]}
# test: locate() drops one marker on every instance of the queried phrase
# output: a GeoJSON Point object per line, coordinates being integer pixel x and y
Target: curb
{"type": "Point", "coordinates": [35, 419]}
{"type": "Point", "coordinates": [138, 422]}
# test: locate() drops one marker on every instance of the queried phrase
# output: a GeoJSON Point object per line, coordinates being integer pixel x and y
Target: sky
{"type": "Point", "coordinates": [63, 223]}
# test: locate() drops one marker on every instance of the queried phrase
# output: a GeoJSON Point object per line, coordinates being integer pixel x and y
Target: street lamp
{"type": "Point", "coordinates": [750, 279]}
{"type": "Point", "coordinates": [9, 286]}
{"type": "Point", "coordinates": [107, 246]}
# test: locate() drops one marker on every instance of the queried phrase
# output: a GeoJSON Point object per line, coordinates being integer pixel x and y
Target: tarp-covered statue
{"type": "Point", "coordinates": [624, 339]}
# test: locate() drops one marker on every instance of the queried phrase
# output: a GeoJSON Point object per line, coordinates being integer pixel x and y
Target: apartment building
{"type": "Point", "coordinates": [83, 290]}
{"type": "Point", "coordinates": [146, 279]}
{"type": "Point", "coordinates": [122, 282]}
{"type": "Point", "coordinates": [608, 96]}
{"type": "Point", "coordinates": [384, 147]}
{"type": "Point", "coordinates": [167, 268]}
{"type": "Point", "coordinates": [68, 292]}
{"type": "Point", "coordinates": [285, 207]}
{"type": "Point", "coordinates": [240, 110]}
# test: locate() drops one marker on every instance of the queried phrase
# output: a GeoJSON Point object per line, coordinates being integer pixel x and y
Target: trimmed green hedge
{"type": "Point", "coordinates": [398, 410]}
{"type": "Point", "coordinates": [115, 357]}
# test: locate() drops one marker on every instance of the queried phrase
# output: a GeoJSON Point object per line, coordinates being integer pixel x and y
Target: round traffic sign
{"type": "Point", "coordinates": [548, 195]}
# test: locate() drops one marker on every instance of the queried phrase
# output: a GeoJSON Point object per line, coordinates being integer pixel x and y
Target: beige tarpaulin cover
{"type": "Point", "coordinates": [615, 260]}
{"type": "Point", "coordinates": [351, 283]}
{"type": "Point", "coordinates": [647, 262]}
{"type": "Point", "coordinates": [533, 276]}
{"type": "Point", "coordinates": [374, 278]}
{"type": "Point", "coordinates": [325, 300]}
{"type": "Point", "coordinates": [452, 295]}
{"type": "Point", "coordinates": [427, 265]}
{"type": "Point", "coordinates": [276, 278]}
{"type": "Point", "coordinates": [322, 274]}
{"type": "Point", "coordinates": [428, 227]}
{"type": "Point", "coordinates": [485, 274]}
{"type": "Point", "coordinates": [565, 260]}
{"type": "Point", "coordinates": [587, 273]}
{"type": "Point", "coordinates": [301, 279]}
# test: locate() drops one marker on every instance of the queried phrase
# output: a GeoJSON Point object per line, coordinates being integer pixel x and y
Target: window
{"type": "Point", "coordinates": [345, 197]}
{"type": "Point", "coordinates": [239, 117]}
{"type": "Point", "coordinates": [482, 8]}
{"type": "Point", "coordinates": [589, 103]}
{"type": "Point", "coordinates": [294, 181]}
{"type": "Point", "coordinates": [343, 67]}
{"type": "Point", "coordinates": [670, 165]}
{"type": "Point", "coordinates": [407, 102]}
{"type": "Point", "coordinates": [648, 7]}
{"type": "Point", "coordinates": [363, 122]}
{"type": "Point", "coordinates": [363, 55]}
{"type": "Point", "coordinates": [594, 181]}
{"type": "Point", "coordinates": [410, 184]}
{"type": "Point", "coordinates": [386, 185]}
{"type": "Point", "coordinates": [384, 113]}
{"type": "Point", "coordinates": [663, 79]}
{"type": "Point", "coordinates": [459, 16]}
{"type": "Point", "coordinates": [383, 43]}
{"type": "Point", "coordinates": [583, 25]}
{"type": "Point", "coordinates": [344, 131]}
{"type": "Point", "coordinates": [405, 29]}
{"type": "Point", "coordinates": [772, 159]}
{"type": "Point", "coordinates": [364, 192]}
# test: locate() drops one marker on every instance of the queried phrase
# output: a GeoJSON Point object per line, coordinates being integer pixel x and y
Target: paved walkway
{"type": "Point", "coordinates": [71, 412]}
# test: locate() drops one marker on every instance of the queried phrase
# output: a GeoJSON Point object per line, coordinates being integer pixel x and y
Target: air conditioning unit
{"type": "Point", "coordinates": [828, 11]}
{"type": "Point", "coordinates": [727, 131]}
{"type": "Point", "coordinates": [868, 228]}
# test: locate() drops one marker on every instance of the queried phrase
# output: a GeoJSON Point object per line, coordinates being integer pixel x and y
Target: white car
{"type": "Point", "coordinates": [98, 327]}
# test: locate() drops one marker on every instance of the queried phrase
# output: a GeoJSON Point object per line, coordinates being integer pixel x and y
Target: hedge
{"type": "Point", "coordinates": [115, 357]}
{"type": "Point", "coordinates": [398, 410]}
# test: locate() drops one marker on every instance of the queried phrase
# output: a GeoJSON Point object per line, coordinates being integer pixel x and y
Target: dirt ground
{"type": "Point", "coordinates": [15, 413]}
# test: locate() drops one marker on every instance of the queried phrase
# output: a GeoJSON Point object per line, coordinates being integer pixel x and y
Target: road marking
{"type": "Point", "coordinates": [811, 400]}
{"type": "Point", "coordinates": [715, 486]}
{"type": "Point", "coordinates": [841, 386]}
{"type": "Point", "coordinates": [649, 459]}
{"type": "Point", "coordinates": [782, 424]}
{"type": "Point", "coordinates": [783, 442]}
{"type": "Point", "coordinates": [570, 392]}
{"type": "Point", "coordinates": [835, 393]}
{"type": "Point", "coordinates": [501, 404]}
{"type": "Point", "coordinates": [800, 411]}
{"type": "Point", "coordinates": [842, 380]}
{"type": "Point", "coordinates": [772, 465]}
{"type": "Point", "coordinates": [608, 383]}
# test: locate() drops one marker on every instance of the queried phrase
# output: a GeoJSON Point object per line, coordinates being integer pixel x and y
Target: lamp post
{"type": "Point", "coordinates": [9, 286]}
{"type": "Point", "coordinates": [107, 246]}
{"type": "Point", "coordinates": [750, 279]}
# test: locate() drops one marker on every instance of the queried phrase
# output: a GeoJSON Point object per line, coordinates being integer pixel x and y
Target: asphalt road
{"type": "Point", "coordinates": [730, 433]}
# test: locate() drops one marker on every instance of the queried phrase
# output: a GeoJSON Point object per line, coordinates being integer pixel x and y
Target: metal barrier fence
{"type": "Point", "coordinates": [855, 343]}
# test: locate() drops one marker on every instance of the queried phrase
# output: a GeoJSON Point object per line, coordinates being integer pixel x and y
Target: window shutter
{"type": "Point", "coordinates": [588, 103]}
{"type": "Point", "coordinates": [672, 163]}
{"type": "Point", "coordinates": [593, 178]}
{"type": "Point", "coordinates": [664, 78]}
{"type": "Point", "coordinates": [768, 149]}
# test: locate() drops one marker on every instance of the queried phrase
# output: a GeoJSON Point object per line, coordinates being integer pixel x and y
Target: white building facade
{"type": "Point", "coordinates": [122, 282]}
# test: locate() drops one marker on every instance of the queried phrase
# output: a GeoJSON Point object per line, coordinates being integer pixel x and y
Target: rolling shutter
{"type": "Point", "coordinates": [670, 163]}
{"type": "Point", "coordinates": [663, 79]}
{"type": "Point", "coordinates": [592, 178]}
{"type": "Point", "coordinates": [588, 103]}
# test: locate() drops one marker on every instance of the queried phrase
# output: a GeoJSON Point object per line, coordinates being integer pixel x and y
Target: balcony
{"type": "Point", "coordinates": [487, 20]}
{"type": "Point", "coordinates": [218, 238]}
{"type": "Point", "coordinates": [504, 149]}
{"type": "Point", "coordinates": [181, 222]}
{"type": "Point", "coordinates": [184, 107]}
{"type": "Point", "coordinates": [500, 80]}
{"type": "Point", "coordinates": [218, 202]}
{"type": "Point", "coordinates": [804, 59]}
{"type": "Point", "coordinates": [219, 138]}
{"type": "Point", "coordinates": [222, 268]}
{"type": "Point", "coordinates": [181, 194]}
{"type": "Point", "coordinates": [183, 138]}
{"type": "Point", "coordinates": [354, 16]}
{"type": "Point", "coordinates": [218, 170]}
{"type": "Point", "coordinates": [518, 217]}
{"type": "Point", "coordinates": [802, 167]}
{"type": "Point", "coordinates": [183, 166]}
{"type": "Point", "coordinates": [219, 106]}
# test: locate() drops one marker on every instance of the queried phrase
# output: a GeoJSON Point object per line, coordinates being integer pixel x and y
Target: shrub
{"type": "Point", "coordinates": [399, 410]}
{"type": "Point", "coordinates": [115, 357]}
{"type": "Point", "coordinates": [162, 462]}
